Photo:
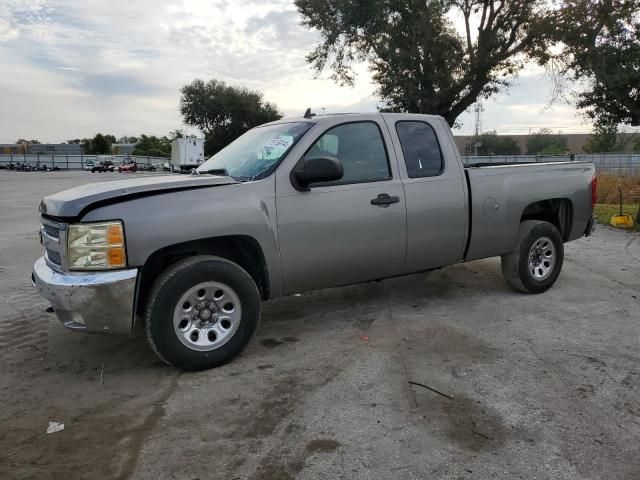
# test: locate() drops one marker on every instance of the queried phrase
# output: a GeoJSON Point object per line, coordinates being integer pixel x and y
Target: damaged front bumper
{"type": "Point", "coordinates": [89, 302]}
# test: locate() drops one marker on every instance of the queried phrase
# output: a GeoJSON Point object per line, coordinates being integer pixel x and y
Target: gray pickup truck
{"type": "Point", "coordinates": [291, 206]}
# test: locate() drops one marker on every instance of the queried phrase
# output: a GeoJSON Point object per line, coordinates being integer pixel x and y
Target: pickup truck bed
{"type": "Point", "coordinates": [502, 195]}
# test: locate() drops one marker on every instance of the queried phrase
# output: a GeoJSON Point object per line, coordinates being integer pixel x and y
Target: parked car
{"type": "Point", "coordinates": [358, 197]}
{"type": "Point", "coordinates": [88, 165]}
{"type": "Point", "coordinates": [103, 166]}
{"type": "Point", "coordinates": [129, 167]}
{"type": "Point", "coordinates": [25, 167]}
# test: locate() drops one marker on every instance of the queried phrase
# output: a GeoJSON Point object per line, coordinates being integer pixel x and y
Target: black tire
{"type": "Point", "coordinates": [165, 294]}
{"type": "Point", "coordinates": [515, 266]}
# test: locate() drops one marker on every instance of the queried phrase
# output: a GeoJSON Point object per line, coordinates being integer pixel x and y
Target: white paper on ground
{"type": "Point", "coordinates": [55, 427]}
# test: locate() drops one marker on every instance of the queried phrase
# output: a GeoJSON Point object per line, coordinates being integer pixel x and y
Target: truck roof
{"type": "Point", "coordinates": [317, 118]}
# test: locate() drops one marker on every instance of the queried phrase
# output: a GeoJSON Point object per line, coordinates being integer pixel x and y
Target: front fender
{"type": "Point", "coordinates": [155, 222]}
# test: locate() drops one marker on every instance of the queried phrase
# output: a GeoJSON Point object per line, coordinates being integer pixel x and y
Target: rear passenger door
{"type": "Point", "coordinates": [346, 231]}
{"type": "Point", "coordinates": [435, 191]}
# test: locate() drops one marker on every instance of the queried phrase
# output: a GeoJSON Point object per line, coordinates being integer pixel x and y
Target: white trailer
{"type": "Point", "coordinates": [186, 153]}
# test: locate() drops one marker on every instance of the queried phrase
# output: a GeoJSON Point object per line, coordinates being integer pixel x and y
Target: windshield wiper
{"type": "Point", "coordinates": [215, 171]}
{"type": "Point", "coordinates": [219, 171]}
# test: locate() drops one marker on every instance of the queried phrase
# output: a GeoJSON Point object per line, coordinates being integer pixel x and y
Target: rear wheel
{"type": "Point", "coordinates": [202, 312]}
{"type": "Point", "coordinates": [536, 262]}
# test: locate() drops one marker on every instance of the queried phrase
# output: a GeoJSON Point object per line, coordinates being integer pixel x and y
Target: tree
{"type": "Point", "coordinates": [177, 133]}
{"type": "Point", "coordinates": [603, 139]}
{"type": "Point", "coordinates": [419, 61]}
{"type": "Point", "coordinates": [223, 112]}
{"type": "Point", "coordinates": [127, 139]}
{"type": "Point", "coordinates": [29, 142]}
{"type": "Point", "coordinates": [602, 45]}
{"type": "Point", "coordinates": [490, 143]}
{"type": "Point", "coordinates": [546, 143]}
{"type": "Point", "coordinates": [100, 144]}
{"type": "Point", "coordinates": [152, 146]}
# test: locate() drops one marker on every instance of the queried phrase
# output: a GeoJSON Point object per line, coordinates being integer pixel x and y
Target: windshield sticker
{"type": "Point", "coordinates": [275, 147]}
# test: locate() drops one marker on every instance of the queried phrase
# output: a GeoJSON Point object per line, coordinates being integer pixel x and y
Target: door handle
{"type": "Point", "coordinates": [384, 199]}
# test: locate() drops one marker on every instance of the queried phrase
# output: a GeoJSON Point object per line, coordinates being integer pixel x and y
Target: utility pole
{"type": "Point", "coordinates": [478, 126]}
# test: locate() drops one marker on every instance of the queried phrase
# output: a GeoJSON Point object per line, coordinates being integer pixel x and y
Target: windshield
{"type": "Point", "coordinates": [255, 154]}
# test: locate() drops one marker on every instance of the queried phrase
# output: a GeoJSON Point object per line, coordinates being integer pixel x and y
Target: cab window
{"type": "Point", "coordinates": [360, 148]}
{"type": "Point", "coordinates": [420, 148]}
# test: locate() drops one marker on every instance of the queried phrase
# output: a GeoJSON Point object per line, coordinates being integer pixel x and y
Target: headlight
{"type": "Point", "coordinates": [96, 246]}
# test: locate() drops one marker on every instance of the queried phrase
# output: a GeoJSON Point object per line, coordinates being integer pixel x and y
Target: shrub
{"type": "Point", "coordinates": [608, 189]}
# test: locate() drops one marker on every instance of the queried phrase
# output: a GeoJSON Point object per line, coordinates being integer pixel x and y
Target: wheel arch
{"type": "Point", "coordinates": [557, 211]}
{"type": "Point", "coordinates": [240, 249]}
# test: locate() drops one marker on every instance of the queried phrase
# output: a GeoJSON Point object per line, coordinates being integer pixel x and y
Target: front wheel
{"type": "Point", "coordinates": [536, 262]}
{"type": "Point", "coordinates": [202, 311]}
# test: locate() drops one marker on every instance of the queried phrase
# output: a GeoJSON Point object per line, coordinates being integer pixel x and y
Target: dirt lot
{"type": "Point", "coordinates": [450, 375]}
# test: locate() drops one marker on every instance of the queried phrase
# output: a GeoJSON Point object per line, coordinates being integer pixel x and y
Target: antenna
{"type": "Point", "coordinates": [478, 109]}
{"type": "Point", "coordinates": [478, 127]}
{"type": "Point", "coordinates": [308, 114]}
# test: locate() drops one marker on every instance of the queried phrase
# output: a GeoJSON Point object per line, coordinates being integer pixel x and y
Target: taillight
{"type": "Point", "coordinates": [594, 190]}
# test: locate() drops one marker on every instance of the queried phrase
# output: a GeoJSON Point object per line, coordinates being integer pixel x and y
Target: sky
{"type": "Point", "coordinates": [72, 68]}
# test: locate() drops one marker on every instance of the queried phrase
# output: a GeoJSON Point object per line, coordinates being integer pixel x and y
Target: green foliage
{"type": "Point", "coordinates": [152, 146]}
{"type": "Point", "coordinates": [602, 40]}
{"type": "Point", "coordinates": [419, 61]}
{"type": "Point", "coordinates": [98, 145]}
{"type": "Point", "coordinates": [223, 112]}
{"type": "Point", "coordinates": [546, 143]}
{"type": "Point", "coordinates": [603, 139]}
{"type": "Point", "coordinates": [493, 144]}
{"type": "Point", "coordinates": [127, 139]}
{"type": "Point", "coordinates": [30, 142]}
{"type": "Point", "coordinates": [145, 145]}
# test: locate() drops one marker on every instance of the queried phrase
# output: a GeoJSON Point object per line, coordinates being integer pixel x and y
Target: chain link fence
{"type": "Point", "coordinates": [622, 164]}
{"type": "Point", "coordinates": [80, 162]}
{"type": "Point", "coordinates": [613, 163]}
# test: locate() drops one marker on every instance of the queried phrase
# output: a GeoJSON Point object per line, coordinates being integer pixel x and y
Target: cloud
{"type": "Point", "coordinates": [525, 106]}
{"type": "Point", "coordinates": [112, 84]}
{"type": "Point", "coordinates": [72, 68]}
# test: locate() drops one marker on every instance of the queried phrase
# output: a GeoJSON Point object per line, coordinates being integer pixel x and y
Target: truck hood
{"type": "Point", "coordinates": [75, 201]}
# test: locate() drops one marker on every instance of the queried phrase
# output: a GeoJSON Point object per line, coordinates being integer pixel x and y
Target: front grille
{"type": "Point", "coordinates": [53, 232]}
{"type": "Point", "coordinates": [53, 236]}
{"type": "Point", "coordinates": [54, 257]}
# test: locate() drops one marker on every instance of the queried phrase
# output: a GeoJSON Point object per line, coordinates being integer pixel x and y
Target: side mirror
{"type": "Point", "coordinates": [315, 170]}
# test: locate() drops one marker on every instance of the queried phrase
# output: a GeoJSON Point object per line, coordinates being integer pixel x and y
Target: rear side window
{"type": "Point", "coordinates": [420, 148]}
{"type": "Point", "coordinates": [360, 148]}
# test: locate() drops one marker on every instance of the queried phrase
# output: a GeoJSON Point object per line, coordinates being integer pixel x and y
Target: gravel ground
{"type": "Point", "coordinates": [448, 375]}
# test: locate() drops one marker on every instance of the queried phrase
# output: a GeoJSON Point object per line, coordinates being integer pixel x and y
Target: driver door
{"type": "Point", "coordinates": [347, 231]}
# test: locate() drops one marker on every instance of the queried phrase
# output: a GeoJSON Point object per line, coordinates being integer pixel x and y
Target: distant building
{"type": "Point", "coordinates": [123, 148]}
{"type": "Point", "coordinates": [55, 149]}
{"type": "Point", "coordinates": [13, 148]}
